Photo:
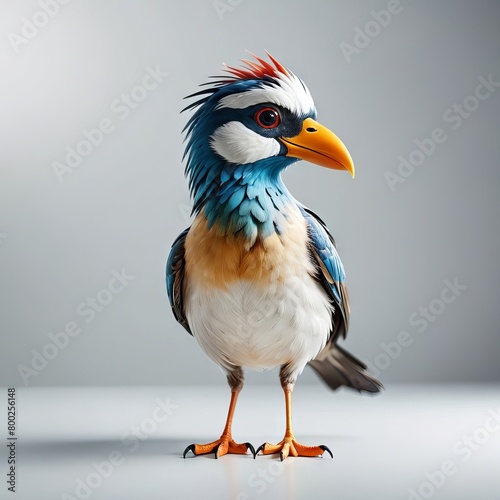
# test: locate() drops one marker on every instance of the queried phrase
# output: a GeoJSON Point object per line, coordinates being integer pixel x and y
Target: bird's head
{"type": "Point", "coordinates": [250, 125]}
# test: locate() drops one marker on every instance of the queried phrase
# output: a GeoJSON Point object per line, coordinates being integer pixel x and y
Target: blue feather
{"type": "Point", "coordinates": [224, 176]}
{"type": "Point", "coordinates": [323, 244]}
{"type": "Point", "coordinates": [234, 201]}
{"type": "Point", "coordinates": [258, 212]}
{"type": "Point", "coordinates": [245, 208]}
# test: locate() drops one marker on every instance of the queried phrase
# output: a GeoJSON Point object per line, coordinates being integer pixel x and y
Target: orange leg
{"type": "Point", "coordinates": [225, 444]}
{"type": "Point", "coordinates": [288, 445]}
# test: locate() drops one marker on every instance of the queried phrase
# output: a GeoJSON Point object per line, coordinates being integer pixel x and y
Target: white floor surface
{"type": "Point", "coordinates": [411, 442]}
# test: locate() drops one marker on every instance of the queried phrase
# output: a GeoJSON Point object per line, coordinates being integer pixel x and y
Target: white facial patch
{"type": "Point", "coordinates": [238, 144]}
{"type": "Point", "coordinates": [288, 91]}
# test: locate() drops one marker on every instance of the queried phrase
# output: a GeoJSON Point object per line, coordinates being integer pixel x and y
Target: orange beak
{"type": "Point", "coordinates": [319, 145]}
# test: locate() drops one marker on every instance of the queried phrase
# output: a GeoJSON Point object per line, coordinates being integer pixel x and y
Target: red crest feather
{"type": "Point", "coordinates": [255, 70]}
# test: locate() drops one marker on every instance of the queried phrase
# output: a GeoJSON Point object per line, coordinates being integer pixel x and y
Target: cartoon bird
{"type": "Point", "coordinates": [256, 279]}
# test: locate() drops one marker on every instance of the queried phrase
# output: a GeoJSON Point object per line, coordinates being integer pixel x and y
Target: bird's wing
{"type": "Point", "coordinates": [175, 279]}
{"type": "Point", "coordinates": [329, 271]}
{"type": "Point", "coordinates": [333, 364]}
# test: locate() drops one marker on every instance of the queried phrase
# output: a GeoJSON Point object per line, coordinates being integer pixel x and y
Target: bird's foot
{"type": "Point", "coordinates": [220, 447]}
{"type": "Point", "coordinates": [288, 446]}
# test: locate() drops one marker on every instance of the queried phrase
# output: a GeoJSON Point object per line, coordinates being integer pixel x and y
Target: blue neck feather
{"type": "Point", "coordinates": [249, 201]}
{"type": "Point", "coordinates": [238, 199]}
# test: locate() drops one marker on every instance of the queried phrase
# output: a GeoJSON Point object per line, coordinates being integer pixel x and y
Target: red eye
{"type": "Point", "coordinates": [267, 118]}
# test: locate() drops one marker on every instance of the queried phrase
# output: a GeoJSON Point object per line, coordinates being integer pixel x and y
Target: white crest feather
{"type": "Point", "coordinates": [287, 91]}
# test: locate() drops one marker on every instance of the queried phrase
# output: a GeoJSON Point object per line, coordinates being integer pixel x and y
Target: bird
{"type": "Point", "coordinates": [256, 279]}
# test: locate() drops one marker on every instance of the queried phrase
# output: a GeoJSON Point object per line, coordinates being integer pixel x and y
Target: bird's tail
{"type": "Point", "coordinates": [337, 367]}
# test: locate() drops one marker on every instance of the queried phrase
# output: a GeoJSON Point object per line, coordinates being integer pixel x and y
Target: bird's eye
{"type": "Point", "coordinates": [267, 118]}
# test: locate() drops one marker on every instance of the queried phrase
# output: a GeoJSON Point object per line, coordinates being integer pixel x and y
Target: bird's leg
{"type": "Point", "coordinates": [288, 445]}
{"type": "Point", "coordinates": [225, 444]}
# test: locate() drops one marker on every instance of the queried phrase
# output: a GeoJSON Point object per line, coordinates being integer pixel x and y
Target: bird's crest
{"type": "Point", "coordinates": [267, 72]}
{"type": "Point", "coordinates": [255, 70]}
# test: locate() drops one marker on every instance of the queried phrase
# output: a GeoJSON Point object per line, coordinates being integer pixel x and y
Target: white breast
{"type": "Point", "coordinates": [261, 326]}
{"type": "Point", "coordinates": [241, 326]}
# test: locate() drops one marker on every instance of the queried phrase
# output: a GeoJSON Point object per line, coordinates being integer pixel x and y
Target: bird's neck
{"type": "Point", "coordinates": [248, 202]}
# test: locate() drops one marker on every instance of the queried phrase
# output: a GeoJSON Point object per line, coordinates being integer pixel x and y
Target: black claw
{"type": "Point", "coordinates": [216, 451]}
{"type": "Point", "coordinates": [189, 448]}
{"type": "Point", "coordinates": [251, 448]}
{"type": "Point", "coordinates": [281, 456]}
{"type": "Point", "coordinates": [260, 448]}
{"type": "Point", "coordinates": [325, 448]}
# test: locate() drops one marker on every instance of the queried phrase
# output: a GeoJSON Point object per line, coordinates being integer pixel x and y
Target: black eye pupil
{"type": "Point", "coordinates": [268, 117]}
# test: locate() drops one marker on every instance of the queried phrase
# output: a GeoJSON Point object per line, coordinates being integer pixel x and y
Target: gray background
{"type": "Point", "coordinates": [126, 202]}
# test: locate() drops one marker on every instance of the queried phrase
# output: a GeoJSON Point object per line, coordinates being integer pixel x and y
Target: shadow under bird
{"type": "Point", "coordinates": [257, 279]}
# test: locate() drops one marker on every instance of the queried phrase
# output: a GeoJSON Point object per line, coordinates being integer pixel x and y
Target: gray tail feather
{"type": "Point", "coordinates": [339, 368]}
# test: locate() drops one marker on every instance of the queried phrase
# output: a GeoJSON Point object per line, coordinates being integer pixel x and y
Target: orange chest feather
{"type": "Point", "coordinates": [216, 260]}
